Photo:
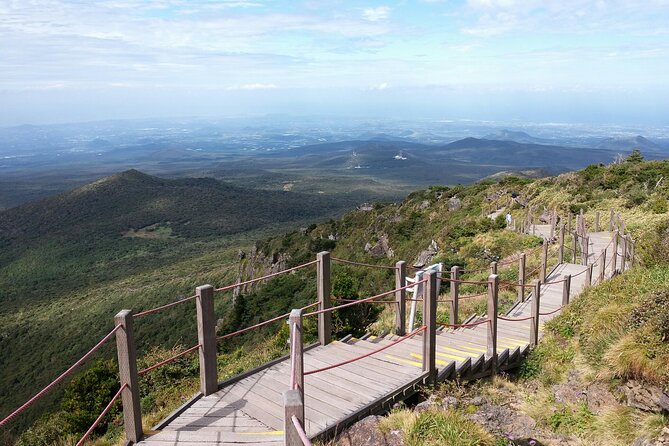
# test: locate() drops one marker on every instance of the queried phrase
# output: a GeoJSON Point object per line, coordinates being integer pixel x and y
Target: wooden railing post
{"type": "Point", "coordinates": [632, 244]}
{"type": "Point", "coordinates": [566, 289]}
{"type": "Point", "coordinates": [614, 257]}
{"type": "Point", "coordinates": [536, 306]}
{"type": "Point", "coordinates": [293, 405]}
{"type": "Point", "coordinates": [521, 277]}
{"type": "Point", "coordinates": [588, 275]}
{"type": "Point", "coordinates": [493, 267]}
{"type": "Point", "coordinates": [552, 223]}
{"type": "Point", "coordinates": [544, 261]}
{"type": "Point", "coordinates": [206, 335]}
{"type": "Point", "coordinates": [493, 291]}
{"type": "Point", "coordinates": [597, 221]}
{"type": "Point", "coordinates": [430, 333]}
{"type": "Point", "coordinates": [574, 246]}
{"type": "Point", "coordinates": [324, 290]}
{"type": "Point", "coordinates": [602, 266]}
{"type": "Point", "coordinates": [455, 296]}
{"type": "Point", "coordinates": [569, 222]}
{"type": "Point", "coordinates": [127, 368]}
{"type": "Point", "coordinates": [400, 297]}
{"type": "Point", "coordinates": [623, 259]}
{"type": "Point", "coordinates": [586, 249]}
{"type": "Point", "coordinates": [561, 245]}
{"type": "Point", "coordinates": [296, 353]}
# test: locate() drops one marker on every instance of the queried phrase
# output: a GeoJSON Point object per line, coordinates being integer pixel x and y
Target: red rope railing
{"type": "Point", "coordinates": [167, 361]}
{"type": "Point", "coordinates": [101, 416]}
{"type": "Point", "coordinates": [361, 301]}
{"type": "Point", "coordinates": [514, 319]}
{"type": "Point", "coordinates": [60, 378]}
{"type": "Point", "coordinates": [163, 307]}
{"type": "Point", "coordinates": [268, 276]}
{"type": "Point", "coordinates": [300, 431]}
{"type": "Point", "coordinates": [366, 265]}
{"type": "Point", "coordinates": [261, 324]}
{"type": "Point", "coordinates": [551, 312]}
{"type": "Point", "coordinates": [470, 324]}
{"type": "Point", "coordinates": [357, 358]}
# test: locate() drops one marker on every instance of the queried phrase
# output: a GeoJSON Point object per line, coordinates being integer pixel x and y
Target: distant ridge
{"type": "Point", "coordinates": [517, 136]}
{"type": "Point", "coordinates": [628, 144]}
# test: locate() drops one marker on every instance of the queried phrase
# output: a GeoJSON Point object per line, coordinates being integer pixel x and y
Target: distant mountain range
{"type": "Point", "coordinates": [464, 160]}
{"type": "Point", "coordinates": [628, 144]}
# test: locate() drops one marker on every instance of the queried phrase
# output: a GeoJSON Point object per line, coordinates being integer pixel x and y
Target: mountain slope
{"type": "Point", "coordinates": [129, 222]}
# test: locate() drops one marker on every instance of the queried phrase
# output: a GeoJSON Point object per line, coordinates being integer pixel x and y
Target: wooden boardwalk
{"type": "Point", "coordinates": [250, 410]}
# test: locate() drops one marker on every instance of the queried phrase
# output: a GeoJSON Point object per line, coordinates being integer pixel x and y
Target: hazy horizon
{"type": "Point", "coordinates": [572, 61]}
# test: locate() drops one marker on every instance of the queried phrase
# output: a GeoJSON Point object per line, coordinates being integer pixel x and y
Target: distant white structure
{"type": "Point", "coordinates": [400, 156]}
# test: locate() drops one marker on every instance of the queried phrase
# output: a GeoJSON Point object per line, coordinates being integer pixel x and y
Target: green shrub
{"type": "Point", "coordinates": [88, 394]}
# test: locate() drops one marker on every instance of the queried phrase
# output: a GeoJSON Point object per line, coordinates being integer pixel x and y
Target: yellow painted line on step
{"type": "Point", "coordinates": [446, 355]}
{"type": "Point", "coordinates": [261, 433]}
{"type": "Point", "coordinates": [406, 361]}
{"type": "Point", "coordinates": [475, 349]}
{"type": "Point", "coordinates": [460, 351]}
{"type": "Point", "coordinates": [515, 341]}
{"type": "Point", "coordinates": [437, 361]}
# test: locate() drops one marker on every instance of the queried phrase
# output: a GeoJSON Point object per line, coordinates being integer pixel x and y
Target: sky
{"type": "Point", "coordinates": [552, 60]}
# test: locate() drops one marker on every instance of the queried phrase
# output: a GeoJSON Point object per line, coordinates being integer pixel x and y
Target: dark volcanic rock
{"type": "Point", "coordinates": [367, 432]}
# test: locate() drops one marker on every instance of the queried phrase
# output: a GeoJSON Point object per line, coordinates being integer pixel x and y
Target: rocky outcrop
{"type": "Point", "coordinates": [256, 264]}
{"type": "Point", "coordinates": [454, 203]}
{"type": "Point", "coordinates": [381, 248]}
{"type": "Point", "coordinates": [645, 397]}
{"type": "Point", "coordinates": [425, 256]}
{"type": "Point", "coordinates": [367, 432]}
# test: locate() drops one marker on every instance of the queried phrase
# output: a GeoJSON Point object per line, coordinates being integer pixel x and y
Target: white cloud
{"type": "Point", "coordinates": [376, 14]}
{"type": "Point", "coordinates": [380, 87]}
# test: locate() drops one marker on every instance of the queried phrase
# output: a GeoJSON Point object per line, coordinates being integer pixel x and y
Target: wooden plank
{"type": "Point", "coordinates": [209, 437]}
{"type": "Point", "coordinates": [374, 362]}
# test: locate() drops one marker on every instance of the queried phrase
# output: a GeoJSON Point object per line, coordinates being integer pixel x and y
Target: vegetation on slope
{"type": "Point", "coordinates": [454, 217]}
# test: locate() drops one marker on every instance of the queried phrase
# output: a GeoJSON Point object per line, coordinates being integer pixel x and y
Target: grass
{"type": "Point", "coordinates": [436, 427]}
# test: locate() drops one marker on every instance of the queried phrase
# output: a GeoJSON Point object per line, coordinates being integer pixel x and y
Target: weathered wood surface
{"type": "Point", "coordinates": [250, 411]}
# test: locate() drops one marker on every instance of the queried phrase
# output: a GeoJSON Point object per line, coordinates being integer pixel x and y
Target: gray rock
{"type": "Point", "coordinates": [367, 432]}
{"type": "Point", "coordinates": [501, 419]}
{"type": "Point", "coordinates": [477, 401]}
{"type": "Point", "coordinates": [381, 248]}
{"type": "Point", "coordinates": [645, 397]}
{"type": "Point", "coordinates": [454, 203]}
{"type": "Point", "coordinates": [425, 256]}
{"type": "Point", "coordinates": [425, 204]}
{"type": "Point", "coordinates": [450, 402]}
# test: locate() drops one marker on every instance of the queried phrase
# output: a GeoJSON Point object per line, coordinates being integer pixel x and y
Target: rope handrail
{"type": "Point", "coordinates": [470, 324]}
{"type": "Point", "coordinates": [101, 416]}
{"type": "Point", "coordinates": [163, 307]}
{"type": "Point", "coordinates": [393, 302]}
{"type": "Point", "coordinates": [167, 361]}
{"type": "Point", "coordinates": [60, 378]}
{"type": "Point", "coordinates": [368, 265]}
{"type": "Point", "coordinates": [368, 299]}
{"type": "Point", "coordinates": [268, 276]}
{"type": "Point", "coordinates": [551, 312]}
{"type": "Point", "coordinates": [300, 431]}
{"type": "Point", "coordinates": [261, 324]}
{"type": "Point", "coordinates": [514, 319]}
{"type": "Point", "coordinates": [357, 358]}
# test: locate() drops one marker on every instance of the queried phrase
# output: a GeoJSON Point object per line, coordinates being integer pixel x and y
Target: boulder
{"type": "Point", "coordinates": [367, 432]}
{"type": "Point", "coordinates": [454, 203]}
{"type": "Point", "coordinates": [425, 256]}
{"type": "Point", "coordinates": [645, 397]}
